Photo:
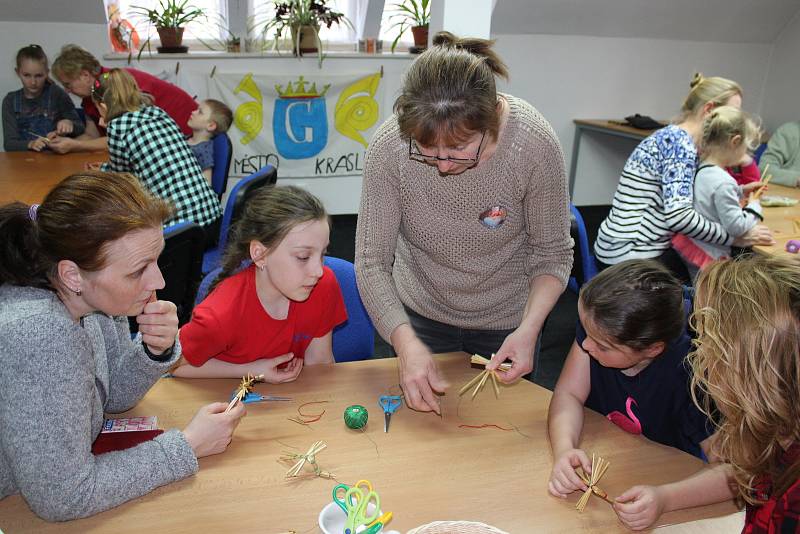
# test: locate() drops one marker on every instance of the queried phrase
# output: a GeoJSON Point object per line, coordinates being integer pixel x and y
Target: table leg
{"type": "Point", "coordinates": [573, 167]}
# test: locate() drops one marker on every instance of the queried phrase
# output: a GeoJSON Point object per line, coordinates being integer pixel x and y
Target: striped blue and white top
{"type": "Point", "coordinates": [654, 201]}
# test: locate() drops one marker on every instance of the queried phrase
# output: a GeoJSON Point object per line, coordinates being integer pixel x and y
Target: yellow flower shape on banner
{"type": "Point", "coordinates": [249, 116]}
{"type": "Point", "coordinates": [357, 110]}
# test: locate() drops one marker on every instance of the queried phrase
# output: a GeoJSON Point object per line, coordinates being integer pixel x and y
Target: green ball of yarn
{"type": "Point", "coordinates": [355, 416]}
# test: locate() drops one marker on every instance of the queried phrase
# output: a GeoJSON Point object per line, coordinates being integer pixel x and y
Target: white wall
{"type": "Point", "coordinates": [570, 77]}
{"type": "Point", "coordinates": [782, 87]}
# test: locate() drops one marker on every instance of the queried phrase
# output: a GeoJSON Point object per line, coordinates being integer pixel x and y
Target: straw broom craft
{"type": "Point", "coordinates": [245, 387]}
{"type": "Point", "coordinates": [483, 376]}
{"type": "Point", "coordinates": [310, 457]}
{"type": "Point", "coordinates": [599, 467]}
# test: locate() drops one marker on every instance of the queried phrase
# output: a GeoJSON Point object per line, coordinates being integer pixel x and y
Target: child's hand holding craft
{"type": "Point", "coordinates": [564, 479]}
{"type": "Point", "coordinates": [272, 374]}
{"type": "Point", "coordinates": [158, 324]}
{"type": "Point", "coordinates": [640, 506]}
{"type": "Point", "coordinates": [211, 429]}
{"type": "Point", "coordinates": [518, 349]}
{"type": "Point", "coordinates": [37, 145]}
{"type": "Point", "coordinates": [62, 145]}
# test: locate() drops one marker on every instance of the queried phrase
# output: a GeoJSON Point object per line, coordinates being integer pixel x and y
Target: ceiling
{"type": "Point", "coordinates": [737, 21]}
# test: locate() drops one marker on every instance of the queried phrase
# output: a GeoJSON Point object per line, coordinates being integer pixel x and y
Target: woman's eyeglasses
{"type": "Point", "coordinates": [415, 154]}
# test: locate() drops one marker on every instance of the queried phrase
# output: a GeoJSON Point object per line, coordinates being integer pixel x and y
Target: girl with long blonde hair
{"type": "Point", "coordinates": [747, 378]}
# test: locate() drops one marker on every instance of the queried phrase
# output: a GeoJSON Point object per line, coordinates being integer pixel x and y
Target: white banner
{"type": "Point", "coordinates": [307, 126]}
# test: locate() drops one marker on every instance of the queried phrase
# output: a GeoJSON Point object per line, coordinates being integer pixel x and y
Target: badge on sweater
{"type": "Point", "coordinates": [493, 217]}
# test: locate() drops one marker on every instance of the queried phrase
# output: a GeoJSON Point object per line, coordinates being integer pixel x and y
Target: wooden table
{"type": "Point", "coordinates": [780, 221]}
{"type": "Point", "coordinates": [604, 126]}
{"type": "Point", "coordinates": [29, 176]}
{"type": "Point", "coordinates": [425, 468]}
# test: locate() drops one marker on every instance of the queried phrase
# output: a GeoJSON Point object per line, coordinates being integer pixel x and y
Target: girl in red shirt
{"type": "Point", "coordinates": [747, 318]}
{"type": "Point", "coordinates": [274, 305]}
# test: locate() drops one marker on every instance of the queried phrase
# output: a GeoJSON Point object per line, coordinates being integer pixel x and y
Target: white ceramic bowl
{"type": "Point", "coordinates": [332, 519]}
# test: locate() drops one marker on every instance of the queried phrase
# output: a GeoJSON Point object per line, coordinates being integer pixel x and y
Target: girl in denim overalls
{"type": "Point", "coordinates": [40, 110]}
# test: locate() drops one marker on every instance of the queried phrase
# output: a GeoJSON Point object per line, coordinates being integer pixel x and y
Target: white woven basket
{"type": "Point", "coordinates": [455, 527]}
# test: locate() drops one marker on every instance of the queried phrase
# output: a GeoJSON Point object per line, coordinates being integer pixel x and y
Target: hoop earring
{"type": "Point", "coordinates": [77, 292]}
{"type": "Point", "coordinates": [261, 267]}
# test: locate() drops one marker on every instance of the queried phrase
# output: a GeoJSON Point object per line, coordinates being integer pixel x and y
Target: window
{"type": "Point", "coordinates": [262, 11]}
{"type": "Point", "coordinates": [210, 29]}
{"type": "Point", "coordinates": [389, 34]}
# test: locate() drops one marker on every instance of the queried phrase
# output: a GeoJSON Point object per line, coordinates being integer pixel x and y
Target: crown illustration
{"type": "Point", "coordinates": [299, 90]}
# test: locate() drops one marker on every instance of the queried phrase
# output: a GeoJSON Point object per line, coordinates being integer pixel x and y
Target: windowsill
{"type": "Point", "coordinates": [216, 54]}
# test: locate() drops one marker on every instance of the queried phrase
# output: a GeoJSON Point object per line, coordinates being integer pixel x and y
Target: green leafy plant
{"type": "Point", "coordinates": [409, 14]}
{"type": "Point", "coordinates": [169, 16]}
{"type": "Point", "coordinates": [170, 13]}
{"type": "Point", "coordinates": [228, 41]}
{"type": "Point", "coordinates": [295, 14]}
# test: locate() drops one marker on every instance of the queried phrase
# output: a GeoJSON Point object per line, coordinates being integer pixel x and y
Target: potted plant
{"type": "Point", "coordinates": [227, 40]}
{"type": "Point", "coordinates": [170, 17]}
{"type": "Point", "coordinates": [414, 14]}
{"type": "Point", "coordinates": [303, 19]}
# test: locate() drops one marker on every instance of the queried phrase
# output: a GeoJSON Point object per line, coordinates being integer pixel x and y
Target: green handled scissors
{"type": "Point", "coordinates": [356, 503]}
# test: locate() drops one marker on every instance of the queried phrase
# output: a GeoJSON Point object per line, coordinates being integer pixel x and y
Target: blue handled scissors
{"type": "Point", "coordinates": [390, 404]}
{"type": "Point", "coordinates": [356, 503]}
{"type": "Point", "coordinates": [257, 397]}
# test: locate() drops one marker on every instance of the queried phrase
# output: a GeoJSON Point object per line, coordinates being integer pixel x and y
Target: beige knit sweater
{"type": "Point", "coordinates": [420, 242]}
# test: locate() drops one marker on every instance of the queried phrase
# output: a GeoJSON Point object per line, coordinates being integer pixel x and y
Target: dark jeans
{"type": "Point", "coordinates": [212, 233]}
{"type": "Point", "coordinates": [441, 337]}
{"type": "Point", "coordinates": [669, 259]}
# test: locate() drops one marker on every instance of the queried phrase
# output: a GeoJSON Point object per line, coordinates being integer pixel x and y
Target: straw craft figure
{"type": "Point", "coordinates": [483, 377]}
{"type": "Point", "coordinates": [765, 180]}
{"type": "Point", "coordinates": [310, 457]}
{"type": "Point", "coordinates": [599, 467]}
{"type": "Point", "coordinates": [245, 387]}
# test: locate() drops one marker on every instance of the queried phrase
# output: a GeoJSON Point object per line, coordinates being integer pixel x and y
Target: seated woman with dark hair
{"type": "Point", "coordinates": [70, 271]}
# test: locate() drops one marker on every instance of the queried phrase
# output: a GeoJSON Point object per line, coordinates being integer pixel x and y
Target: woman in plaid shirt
{"type": "Point", "coordinates": [145, 141]}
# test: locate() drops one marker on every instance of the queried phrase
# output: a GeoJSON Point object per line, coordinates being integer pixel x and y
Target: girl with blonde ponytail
{"type": "Point", "coordinates": [654, 197]}
{"type": "Point", "coordinates": [728, 133]}
{"type": "Point", "coordinates": [143, 140]}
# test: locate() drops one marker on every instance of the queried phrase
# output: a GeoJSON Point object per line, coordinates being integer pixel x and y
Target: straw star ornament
{"type": "Point", "coordinates": [483, 376]}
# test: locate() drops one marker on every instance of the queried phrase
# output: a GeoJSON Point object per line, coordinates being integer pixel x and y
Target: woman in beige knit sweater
{"type": "Point", "coordinates": [463, 233]}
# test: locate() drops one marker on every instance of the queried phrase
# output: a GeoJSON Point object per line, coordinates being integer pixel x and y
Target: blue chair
{"type": "Point", "coordinates": [223, 155]}
{"type": "Point", "coordinates": [205, 285]}
{"type": "Point", "coordinates": [584, 267]}
{"type": "Point", "coordinates": [239, 196]}
{"type": "Point", "coordinates": [355, 338]}
{"type": "Point", "coordinates": [759, 151]}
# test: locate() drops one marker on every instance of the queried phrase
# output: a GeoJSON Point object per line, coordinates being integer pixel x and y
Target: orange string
{"type": "Point", "coordinates": [306, 418]}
